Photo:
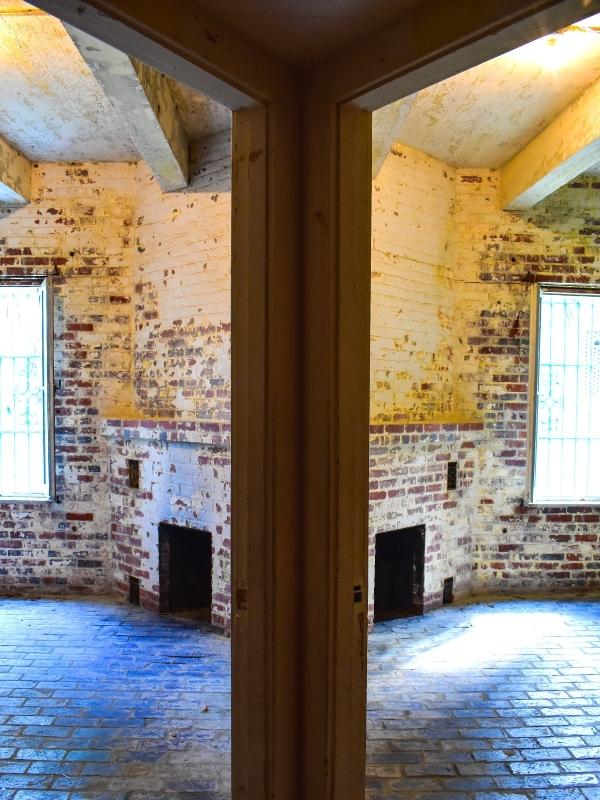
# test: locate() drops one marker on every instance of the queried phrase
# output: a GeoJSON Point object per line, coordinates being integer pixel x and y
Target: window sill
{"type": "Point", "coordinates": [567, 504]}
{"type": "Point", "coordinates": [33, 499]}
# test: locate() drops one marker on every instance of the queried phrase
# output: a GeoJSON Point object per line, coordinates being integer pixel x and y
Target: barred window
{"type": "Point", "coordinates": [26, 454]}
{"type": "Point", "coordinates": [566, 440]}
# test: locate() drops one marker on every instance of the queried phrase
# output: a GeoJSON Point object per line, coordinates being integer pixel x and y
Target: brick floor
{"type": "Point", "coordinates": [491, 701]}
{"type": "Point", "coordinates": [104, 701]}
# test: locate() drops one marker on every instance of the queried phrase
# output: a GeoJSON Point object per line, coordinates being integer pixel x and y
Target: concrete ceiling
{"type": "Point", "coordinates": [302, 31]}
{"type": "Point", "coordinates": [52, 108]}
{"type": "Point", "coordinates": [483, 117]}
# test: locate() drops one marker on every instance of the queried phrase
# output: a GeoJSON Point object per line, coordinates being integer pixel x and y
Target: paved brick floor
{"type": "Point", "coordinates": [103, 701]}
{"type": "Point", "coordinates": [494, 701]}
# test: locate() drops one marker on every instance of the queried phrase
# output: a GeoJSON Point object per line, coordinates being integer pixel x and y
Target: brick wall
{"type": "Point", "coordinates": [142, 334]}
{"type": "Point", "coordinates": [142, 326]}
{"type": "Point", "coordinates": [408, 486]}
{"type": "Point", "coordinates": [452, 276]}
{"type": "Point", "coordinates": [181, 373]}
{"type": "Point", "coordinates": [500, 255]}
{"type": "Point", "coordinates": [78, 228]}
{"type": "Point", "coordinates": [420, 420]}
{"type": "Point", "coordinates": [182, 294]}
{"type": "Point", "coordinates": [413, 361]}
{"type": "Point", "coordinates": [185, 480]}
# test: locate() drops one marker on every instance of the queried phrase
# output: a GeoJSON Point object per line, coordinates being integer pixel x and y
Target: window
{"type": "Point", "coordinates": [566, 403]}
{"type": "Point", "coordinates": [26, 455]}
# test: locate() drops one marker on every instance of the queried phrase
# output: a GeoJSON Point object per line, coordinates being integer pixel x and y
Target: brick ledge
{"type": "Point", "coordinates": [206, 432]}
{"type": "Point", "coordinates": [424, 427]}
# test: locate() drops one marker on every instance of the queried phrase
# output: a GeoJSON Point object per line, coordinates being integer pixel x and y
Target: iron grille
{"type": "Point", "coordinates": [24, 429]}
{"type": "Point", "coordinates": [567, 423]}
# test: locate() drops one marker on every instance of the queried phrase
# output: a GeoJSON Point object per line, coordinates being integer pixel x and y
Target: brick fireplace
{"type": "Point", "coordinates": [424, 477]}
{"type": "Point", "coordinates": [178, 514]}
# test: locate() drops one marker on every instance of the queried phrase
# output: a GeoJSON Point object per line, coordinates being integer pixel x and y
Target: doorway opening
{"type": "Point", "coordinates": [483, 284]}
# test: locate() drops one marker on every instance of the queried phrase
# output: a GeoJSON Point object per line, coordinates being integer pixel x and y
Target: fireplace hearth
{"type": "Point", "coordinates": [399, 573]}
{"type": "Point", "coordinates": [185, 570]}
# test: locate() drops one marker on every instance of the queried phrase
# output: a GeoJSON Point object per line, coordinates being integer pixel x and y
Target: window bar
{"type": "Point", "coordinates": [590, 368]}
{"type": "Point", "coordinates": [564, 450]}
{"type": "Point", "coordinates": [578, 367]}
{"type": "Point", "coordinates": [549, 384]}
{"type": "Point", "coordinates": [25, 377]}
{"type": "Point", "coordinates": [568, 378]}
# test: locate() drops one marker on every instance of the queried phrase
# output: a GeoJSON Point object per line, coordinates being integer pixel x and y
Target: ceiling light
{"type": "Point", "coordinates": [556, 51]}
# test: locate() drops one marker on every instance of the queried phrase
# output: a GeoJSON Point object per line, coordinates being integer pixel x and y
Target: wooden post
{"type": "Point", "coordinates": [300, 451]}
{"type": "Point", "coordinates": [266, 453]}
{"type": "Point", "coordinates": [336, 430]}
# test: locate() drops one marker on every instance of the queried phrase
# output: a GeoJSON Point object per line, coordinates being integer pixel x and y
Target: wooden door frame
{"type": "Point", "coordinates": [300, 351]}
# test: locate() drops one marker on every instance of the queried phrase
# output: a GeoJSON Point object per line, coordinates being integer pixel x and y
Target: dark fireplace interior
{"type": "Point", "coordinates": [399, 573]}
{"type": "Point", "coordinates": [185, 569]}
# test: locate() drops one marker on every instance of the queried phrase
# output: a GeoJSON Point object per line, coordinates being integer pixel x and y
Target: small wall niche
{"type": "Point", "coordinates": [134, 591]}
{"type": "Point", "coordinates": [448, 591]}
{"type": "Point", "coordinates": [133, 473]}
{"type": "Point", "coordinates": [452, 476]}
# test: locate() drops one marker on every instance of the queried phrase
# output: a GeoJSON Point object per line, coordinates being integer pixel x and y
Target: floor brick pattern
{"type": "Point", "coordinates": [490, 701]}
{"type": "Point", "coordinates": [105, 701]}
{"type": "Point", "coordinates": [493, 701]}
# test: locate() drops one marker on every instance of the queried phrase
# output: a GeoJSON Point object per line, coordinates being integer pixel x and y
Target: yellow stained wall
{"type": "Point", "coordinates": [413, 313]}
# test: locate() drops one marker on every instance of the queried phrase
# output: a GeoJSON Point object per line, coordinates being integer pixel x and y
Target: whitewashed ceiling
{"type": "Point", "coordinates": [53, 109]}
{"type": "Point", "coordinates": [483, 117]}
{"type": "Point", "coordinates": [51, 106]}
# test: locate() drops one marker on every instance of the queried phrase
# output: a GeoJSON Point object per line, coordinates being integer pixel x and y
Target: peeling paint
{"type": "Point", "coordinates": [486, 115]}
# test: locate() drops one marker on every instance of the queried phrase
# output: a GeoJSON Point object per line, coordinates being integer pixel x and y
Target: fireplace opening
{"type": "Point", "coordinates": [185, 570]}
{"type": "Point", "coordinates": [399, 573]}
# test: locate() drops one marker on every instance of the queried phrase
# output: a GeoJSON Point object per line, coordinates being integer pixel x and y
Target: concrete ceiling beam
{"type": "Point", "coordinates": [387, 122]}
{"type": "Point", "coordinates": [208, 56]}
{"type": "Point", "coordinates": [15, 176]}
{"type": "Point", "coordinates": [569, 146]}
{"type": "Point", "coordinates": [142, 98]}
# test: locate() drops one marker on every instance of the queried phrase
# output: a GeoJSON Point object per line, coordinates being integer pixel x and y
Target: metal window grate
{"type": "Point", "coordinates": [24, 440]}
{"type": "Point", "coordinates": [567, 423]}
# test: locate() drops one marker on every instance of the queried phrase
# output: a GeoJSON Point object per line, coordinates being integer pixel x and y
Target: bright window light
{"type": "Point", "coordinates": [566, 442]}
{"type": "Point", "coordinates": [25, 425]}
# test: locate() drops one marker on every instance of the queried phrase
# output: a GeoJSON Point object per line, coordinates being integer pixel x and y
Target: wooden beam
{"type": "Point", "coordinates": [435, 39]}
{"type": "Point", "coordinates": [186, 44]}
{"type": "Point", "coordinates": [569, 146]}
{"type": "Point", "coordinates": [15, 176]}
{"type": "Point", "coordinates": [142, 99]}
{"type": "Point", "coordinates": [387, 122]}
